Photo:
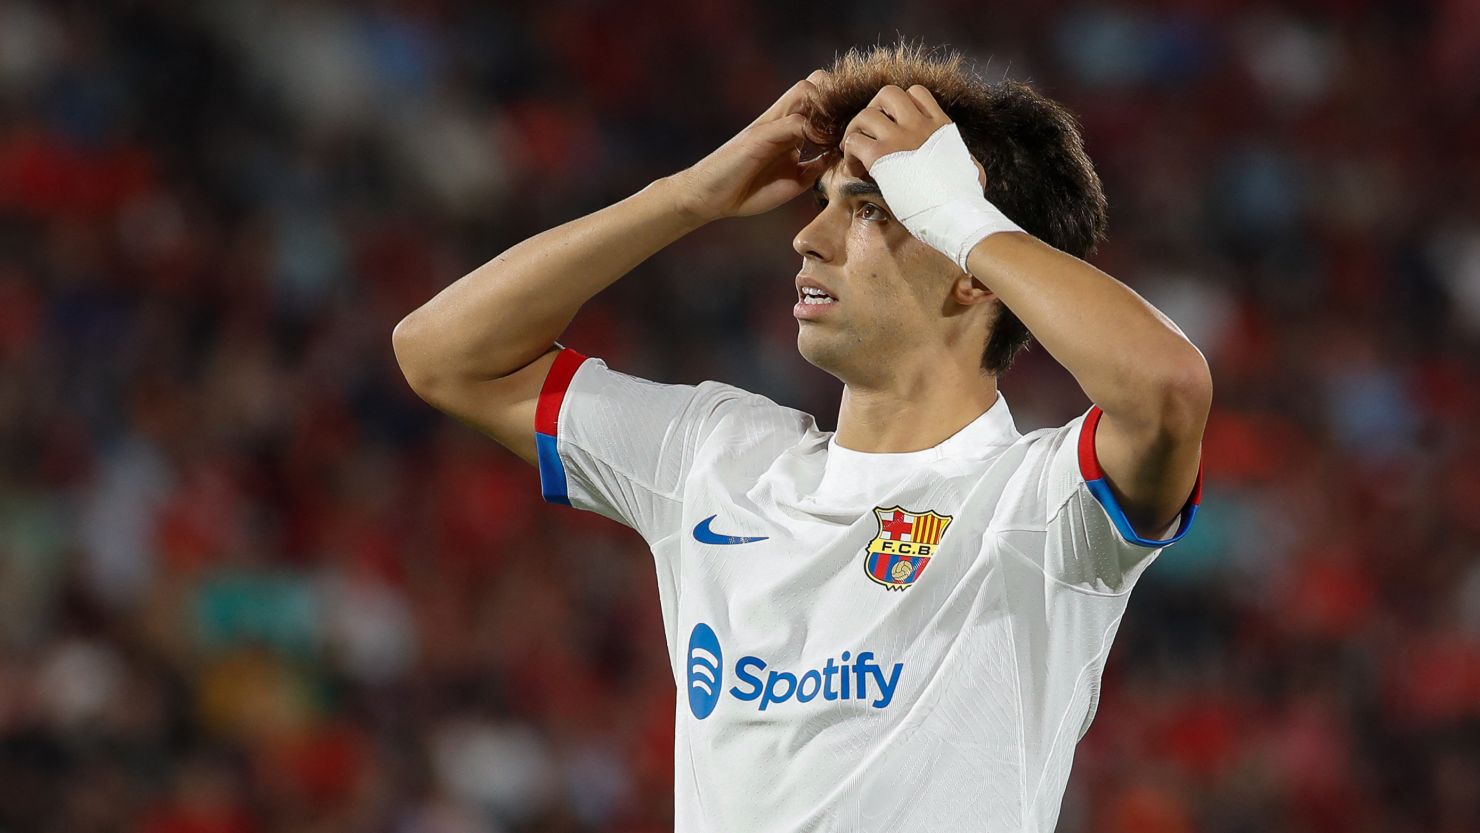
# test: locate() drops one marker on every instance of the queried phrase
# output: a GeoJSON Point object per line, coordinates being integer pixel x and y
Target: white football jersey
{"type": "Point", "coordinates": [861, 642]}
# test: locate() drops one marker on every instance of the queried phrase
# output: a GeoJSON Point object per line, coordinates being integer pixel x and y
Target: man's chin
{"type": "Point", "coordinates": [822, 350]}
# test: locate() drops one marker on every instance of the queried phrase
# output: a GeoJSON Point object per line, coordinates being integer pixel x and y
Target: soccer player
{"type": "Point", "coordinates": [900, 625]}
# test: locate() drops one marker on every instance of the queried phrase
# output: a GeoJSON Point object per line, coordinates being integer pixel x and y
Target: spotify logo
{"type": "Point", "coordinates": [706, 670]}
{"type": "Point", "coordinates": [855, 676]}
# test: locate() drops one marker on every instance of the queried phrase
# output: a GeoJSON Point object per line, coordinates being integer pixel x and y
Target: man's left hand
{"type": "Point", "coordinates": [894, 120]}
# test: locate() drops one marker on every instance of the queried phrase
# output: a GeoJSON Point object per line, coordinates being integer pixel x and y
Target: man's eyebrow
{"type": "Point", "coordinates": [851, 188]}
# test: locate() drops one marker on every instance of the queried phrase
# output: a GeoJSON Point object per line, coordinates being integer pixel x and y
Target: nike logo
{"type": "Point", "coordinates": [704, 535]}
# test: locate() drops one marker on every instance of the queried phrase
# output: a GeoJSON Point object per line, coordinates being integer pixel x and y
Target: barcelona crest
{"type": "Point", "coordinates": [905, 543]}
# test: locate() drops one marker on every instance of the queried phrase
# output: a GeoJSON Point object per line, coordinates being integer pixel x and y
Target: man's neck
{"type": "Point", "coordinates": [915, 410]}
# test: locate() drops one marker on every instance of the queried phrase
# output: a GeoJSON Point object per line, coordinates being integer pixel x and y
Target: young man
{"type": "Point", "coordinates": [900, 626]}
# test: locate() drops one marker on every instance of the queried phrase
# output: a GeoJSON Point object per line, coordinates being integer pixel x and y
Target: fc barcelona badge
{"type": "Point", "coordinates": [906, 541]}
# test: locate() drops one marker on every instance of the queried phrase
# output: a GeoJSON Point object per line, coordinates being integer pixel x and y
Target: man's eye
{"type": "Point", "coordinates": [878, 212]}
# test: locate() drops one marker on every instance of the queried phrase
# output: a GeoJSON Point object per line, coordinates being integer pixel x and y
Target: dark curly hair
{"type": "Point", "coordinates": [1037, 170]}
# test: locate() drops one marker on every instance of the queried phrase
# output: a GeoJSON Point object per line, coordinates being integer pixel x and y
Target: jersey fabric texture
{"type": "Point", "coordinates": [861, 642]}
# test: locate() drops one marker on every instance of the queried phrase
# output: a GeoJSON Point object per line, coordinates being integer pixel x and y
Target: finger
{"type": "Point", "coordinates": [927, 103]}
{"type": "Point", "coordinates": [794, 100]}
{"type": "Point", "coordinates": [787, 130]}
{"type": "Point", "coordinates": [788, 134]}
{"type": "Point", "coordinates": [790, 102]}
{"type": "Point", "coordinates": [871, 121]}
{"type": "Point", "coordinates": [897, 104]}
{"type": "Point", "coordinates": [861, 147]}
{"type": "Point", "coordinates": [806, 90]}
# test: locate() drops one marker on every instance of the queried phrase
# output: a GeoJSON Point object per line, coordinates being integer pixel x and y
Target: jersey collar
{"type": "Point", "coordinates": [846, 470]}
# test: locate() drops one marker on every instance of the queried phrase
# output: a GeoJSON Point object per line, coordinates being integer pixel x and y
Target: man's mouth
{"type": "Point", "coordinates": [814, 303]}
{"type": "Point", "coordinates": [813, 299]}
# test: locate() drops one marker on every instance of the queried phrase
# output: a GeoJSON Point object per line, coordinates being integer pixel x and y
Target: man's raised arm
{"type": "Point", "coordinates": [479, 350]}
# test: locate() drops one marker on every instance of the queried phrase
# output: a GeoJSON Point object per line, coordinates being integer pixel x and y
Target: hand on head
{"type": "Point", "coordinates": [895, 120]}
{"type": "Point", "coordinates": [763, 166]}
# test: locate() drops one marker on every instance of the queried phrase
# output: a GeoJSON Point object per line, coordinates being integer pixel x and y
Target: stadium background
{"type": "Point", "coordinates": [248, 582]}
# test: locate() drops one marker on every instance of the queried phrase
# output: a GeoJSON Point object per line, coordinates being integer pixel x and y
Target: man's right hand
{"type": "Point", "coordinates": [758, 169]}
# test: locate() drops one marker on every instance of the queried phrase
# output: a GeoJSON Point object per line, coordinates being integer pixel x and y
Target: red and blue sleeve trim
{"type": "Point", "coordinates": [1099, 486]}
{"type": "Point", "coordinates": [547, 424]}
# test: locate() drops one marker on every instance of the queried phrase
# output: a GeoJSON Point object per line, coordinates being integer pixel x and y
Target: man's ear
{"type": "Point", "coordinates": [966, 290]}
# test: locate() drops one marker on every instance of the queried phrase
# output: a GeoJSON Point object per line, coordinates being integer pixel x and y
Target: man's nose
{"type": "Point", "coordinates": [814, 240]}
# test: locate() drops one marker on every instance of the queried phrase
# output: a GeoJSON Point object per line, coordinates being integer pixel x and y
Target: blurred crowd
{"type": "Point", "coordinates": [250, 584]}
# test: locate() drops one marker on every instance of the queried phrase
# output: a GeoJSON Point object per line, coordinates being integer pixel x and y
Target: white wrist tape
{"type": "Point", "coordinates": [934, 191]}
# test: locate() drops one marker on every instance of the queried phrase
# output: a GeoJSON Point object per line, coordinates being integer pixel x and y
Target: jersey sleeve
{"type": "Point", "coordinates": [1061, 506]}
{"type": "Point", "coordinates": [619, 445]}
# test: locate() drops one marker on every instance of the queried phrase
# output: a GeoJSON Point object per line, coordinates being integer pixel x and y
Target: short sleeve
{"type": "Point", "coordinates": [619, 445]}
{"type": "Point", "coordinates": [1086, 540]}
